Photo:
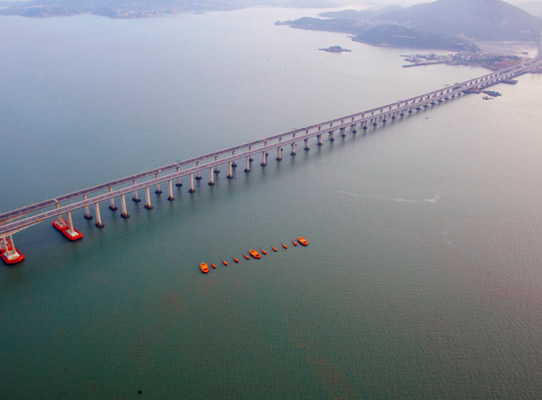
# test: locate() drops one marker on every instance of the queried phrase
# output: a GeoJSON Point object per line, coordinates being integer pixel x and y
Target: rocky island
{"type": "Point", "coordinates": [336, 49]}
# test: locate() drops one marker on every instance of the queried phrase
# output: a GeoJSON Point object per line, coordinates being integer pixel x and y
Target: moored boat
{"type": "Point", "coordinates": [274, 249]}
{"type": "Point", "coordinates": [224, 262]}
{"type": "Point", "coordinates": [264, 252]}
{"type": "Point", "coordinates": [294, 243]}
{"type": "Point", "coordinates": [303, 241]}
{"type": "Point", "coordinates": [214, 266]}
{"type": "Point", "coordinates": [204, 268]}
{"type": "Point", "coordinates": [283, 245]}
{"type": "Point", "coordinates": [236, 260]}
{"type": "Point", "coordinates": [247, 257]}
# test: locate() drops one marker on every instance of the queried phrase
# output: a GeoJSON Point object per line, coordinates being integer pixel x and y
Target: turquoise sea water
{"type": "Point", "coordinates": [422, 278]}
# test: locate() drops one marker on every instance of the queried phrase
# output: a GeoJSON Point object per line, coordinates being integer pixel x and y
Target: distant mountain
{"type": "Point", "coordinates": [474, 19]}
{"type": "Point", "coordinates": [446, 24]}
{"type": "Point", "coordinates": [139, 8]}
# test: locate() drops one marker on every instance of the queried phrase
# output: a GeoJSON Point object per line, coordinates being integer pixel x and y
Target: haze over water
{"type": "Point", "coordinates": [422, 278]}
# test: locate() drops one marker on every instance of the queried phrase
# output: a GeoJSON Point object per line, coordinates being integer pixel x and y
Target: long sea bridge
{"type": "Point", "coordinates": [14, 221]}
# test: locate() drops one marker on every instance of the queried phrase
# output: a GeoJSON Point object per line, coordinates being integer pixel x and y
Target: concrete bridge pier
{"type": "Point", "coordinates": [148, 204]}
{"type": "Point", "coordinates": [158, 190]}
{"type": "Point", "coordinates": [191, 190]}
{"type": "Point", "coordinates": [124, 214]}
{"type": "Point", "coordinates": [331, 136]}
{"type": "Point", "coordinates": [87, 211]}
{"type": "Point", "coordinates": [319, 143]}
{"type": "Point", "coordinates": [342, 132]}
{"type": "Point", "coordinates": [112, 205]}
{"type": "Point", "coordinates": [198, 175]}
{"type": "Point", "coordinates": [247, 167]}
{"type": "Point", "coordinates": [136, 198]}
{"type": "Point", "coordinates": [99, 222]}
{"type": "Point", "coordinates": [170, 197]}
{"type": "Point", "coordinates": [217, 171]}
{"type": "Point", "coordinates": [212, 177]}
{"type": "Point", "coordinates": [230, 170]}
{"type": "Point", "coordinates": [307, 145]}
{"type": "Point", "coordinates": [233, 164]}
{"type": "Point", "coordinates": [179, 183]}
{"type": "Point", "coordinates": [60, 223]}
{"type": "Point", "coordinates": [279, 153]}
{"type": "Point", "coordinates": [71, 233]}
{"type": "Point", "coordinates": [264, 159]}
{"type": "Point", "coordinates": [249, 149]}
{"type": "Point", "coordinates": [353, 130]}
{"type": "Point", "coordinates": [294, 146]}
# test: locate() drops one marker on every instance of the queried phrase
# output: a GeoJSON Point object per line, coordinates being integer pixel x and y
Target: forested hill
{"type": "Point", "coordinates": [449, 24]}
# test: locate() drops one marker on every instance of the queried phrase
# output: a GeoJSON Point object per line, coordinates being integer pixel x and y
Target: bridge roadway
{"type": "Point", "coordinates": [246, 151]}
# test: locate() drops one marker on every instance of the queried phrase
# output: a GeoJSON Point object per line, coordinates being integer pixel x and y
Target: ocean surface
{"type": "Point", "coordinates": [423, 277]}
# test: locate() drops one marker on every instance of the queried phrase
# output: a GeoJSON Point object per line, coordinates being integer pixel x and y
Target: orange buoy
{"type": "Point", "coordinates": [303, 241]}
{"type": "Point", "coordinates": [283, 245]}
{"type": "Point", "coordinates": [264, 252]}
{"type": "Point", "coordinates": [247, 257]}
{"type": "Point", "coordinates": [274, 249]}
{"type": "Point", "coordinates": [294, 243]}
{"type": "Point", "coordinates": [204, 268]}
{"type": "Point", "coordinates": [214, 266]}
{"type": "Point", "coordinates": [224, 262]}
{"type": "Point", "coordinates": [236, 260]}
{"type": "Point", "coordinates": [255, 254]}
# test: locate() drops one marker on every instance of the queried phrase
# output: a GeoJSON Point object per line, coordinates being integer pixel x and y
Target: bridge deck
{"type": "Point", "coordinates": [207, 161]}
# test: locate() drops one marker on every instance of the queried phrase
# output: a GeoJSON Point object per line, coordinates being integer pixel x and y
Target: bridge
{"type": "Point", "coordinates": [14, 221]}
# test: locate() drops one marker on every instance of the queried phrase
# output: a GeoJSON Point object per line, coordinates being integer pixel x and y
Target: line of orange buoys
{"type": "Point", "coordinates": [255, 254]}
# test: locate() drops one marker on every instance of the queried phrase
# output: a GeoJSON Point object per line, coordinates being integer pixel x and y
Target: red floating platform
{"type": "Point", "coordinates": [14, 259]}
{"type": "Point", "coordinates": [58, 227]}
{"type": "Point", "coordinates": [76, 235]}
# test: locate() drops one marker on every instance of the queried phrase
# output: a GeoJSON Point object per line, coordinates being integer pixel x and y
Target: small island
{"type": "Point", "coordinates": [336, 49]}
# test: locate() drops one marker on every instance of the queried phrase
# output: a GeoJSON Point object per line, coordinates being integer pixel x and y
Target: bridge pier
{"type": "Point", "coordinates": [331, 136]}
{"type": "Point", "coordinates": [112, 205]}
{"type": "Point", "coordinates": [148, 204]}
{"type": "Point", "coordinates": [170, 197]}
{"type": "Point", "coordinates": [233, 164]}
{"type": "Point", "coordinates": [293, 152]}
{"type": "Point", "coordinates": [307, 145]}
{"type": "Point", "coordinates": [250, 157]}
{"type": "Point", "coordinates": [353, 129]}
{"type": "Point", "coordinates": [264, 159]}
{"type": "Point", "coordinates": [198, 175]}
{"type": "Point", "coordinates": [124, 214]}
{"type": "Point", "coordinates": [179, 183]}
{"type": "Point", "coordinates": [247, 166]}
{"type": "Point", "coordinates": [158, 190]}
{"type": "Point", "coordinates": [59, 224]}
{"type": "Point", "coordinates": [230, 170]}
{"type": "Point", "coordinates": [87, 211]}
{"type": "Point", "coordinates": [217, 171]}
{"type": "Point", "coordinates": [279, 153]}
{"type": "Point", "coordinates": [342, 132]}
{"type": "Point", "coordinates": [71, 233]}
{"type": "Point", "coordinates": [99, 222]}
{"type": "Point", "coordinates": [212, 177]}
{"type": "Point", "coordinates": [191, 190]}
{"type": "Point", "coordinates": [319, 143]}
{"type": "Point", "coordinates": [136, 198]}
{"type": "Point", "coordinates": [9, 253]}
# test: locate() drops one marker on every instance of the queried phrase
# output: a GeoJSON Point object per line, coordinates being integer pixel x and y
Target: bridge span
{"type": "Point", "coordinates": [191, 169]}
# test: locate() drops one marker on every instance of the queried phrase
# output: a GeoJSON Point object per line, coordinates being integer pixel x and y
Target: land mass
{"type": "Point", "coordinates": [444, 24]}
{"type": "Point", "coordinates": [139, 8]}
